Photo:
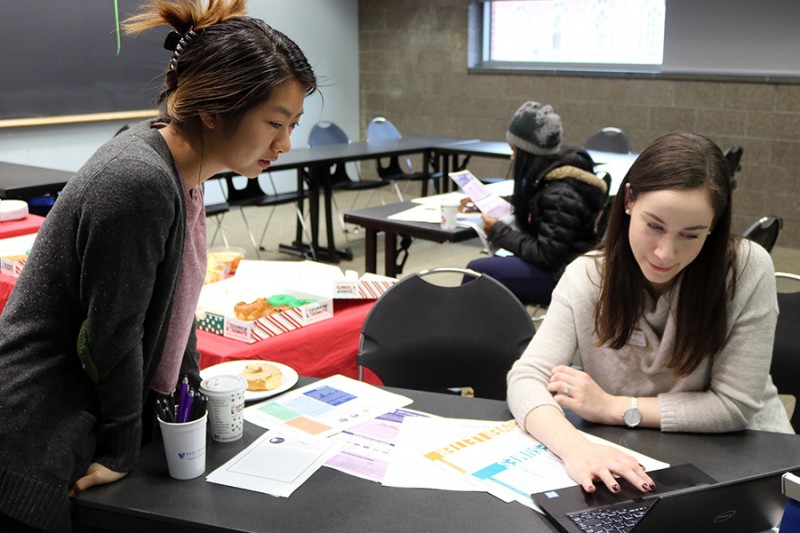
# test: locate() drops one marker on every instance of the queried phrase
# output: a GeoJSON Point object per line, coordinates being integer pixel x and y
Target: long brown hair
{"type": "Point", "coordinates": [682, 161]}
{"type": "Point", "coordinates": [230, 65]}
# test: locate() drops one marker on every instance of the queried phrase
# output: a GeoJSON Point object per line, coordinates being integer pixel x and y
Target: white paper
{"type": "Point", "coordinates": [431, 213]}
{"type": "Point", "coordinates": [324, 408]}
{"type": "Point", "coordinates": [369, 446]}
{"type": "Point", "coordinates": [508, 462]}
{"type": "Point", "coordinates": [410, 469]}
{"type": "Point", "coordinates": [483, 197]}
{"type": "Point", "coordinates": [274, 464]}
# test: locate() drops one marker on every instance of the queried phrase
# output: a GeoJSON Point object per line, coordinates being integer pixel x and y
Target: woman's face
{"type": "Point", "coordinates": [667, 231]}
{"type": "Point", "coordinates": [263, 133]}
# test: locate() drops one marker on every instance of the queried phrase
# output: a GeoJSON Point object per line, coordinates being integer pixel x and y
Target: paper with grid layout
{"type": "Point", "coordinates": [324, 408]}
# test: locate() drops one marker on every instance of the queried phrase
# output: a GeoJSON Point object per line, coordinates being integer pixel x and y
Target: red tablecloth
{"type": "Point", "coordinates": [318, 350]}
{"type": "Point", "coordinates": [6, 284]}
{"type": "Point", "coordinates": [23, 226]}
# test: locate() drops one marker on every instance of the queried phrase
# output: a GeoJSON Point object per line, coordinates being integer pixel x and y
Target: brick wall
{"type": "Point", "coordinates": [413, 70]}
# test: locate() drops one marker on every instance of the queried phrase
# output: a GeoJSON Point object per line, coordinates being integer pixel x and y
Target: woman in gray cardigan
{"type": "Point", "coordinates": [673, 320]}
{"type": "Point", "coordinates": [101, 317]}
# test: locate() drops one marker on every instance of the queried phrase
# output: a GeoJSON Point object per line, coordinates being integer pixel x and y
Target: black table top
{"type": "Point", "coordinates": [499, 149]}
{"type": "Point", "coordinates": [377, 218]}
{"type": "Point", "coordinates": [22, 181]}
{"type": "Point", "coordinates": [149, 500]}
{"type": "Point", "coordinates": [329, 154]}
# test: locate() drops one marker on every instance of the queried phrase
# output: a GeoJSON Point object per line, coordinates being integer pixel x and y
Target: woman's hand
{"type": "Point", "coordinates": [577, 391]}
{"type": "Point", "coordinates": [587, 462]}
{"type": "Point", "coordinates": [466, 205]}
{"type": "Point", "coordinates": [488, 222]}
{"type": "Point", "coordinates": [96, 474]}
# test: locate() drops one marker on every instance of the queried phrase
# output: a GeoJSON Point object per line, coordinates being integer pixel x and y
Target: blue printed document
{"type": "Point", "coordinates": [324, 408]}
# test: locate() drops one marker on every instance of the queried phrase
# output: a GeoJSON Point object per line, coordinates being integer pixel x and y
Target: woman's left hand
{"type": "Point", "coordinates": [96, 474]}
{"type": "Point", "coordinates": [578, 392]}
{"type": "Point", "coordinates": [488, 222]}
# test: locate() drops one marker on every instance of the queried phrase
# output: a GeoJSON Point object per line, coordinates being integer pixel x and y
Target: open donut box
{"type": "Point", "coordinates": [13, 253]}
{"type": "Point", "coordinates": [215, 310]}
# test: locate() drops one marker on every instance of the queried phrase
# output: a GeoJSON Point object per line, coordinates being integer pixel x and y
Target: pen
{"type": "Point", "coordinates": [182, 397]}
{"type": "Point", "coordinates": [197, 406]}
{"type": "Point", "coordinates": [171, 404]}
{"type": "Point", "coordinates": [186, 407]}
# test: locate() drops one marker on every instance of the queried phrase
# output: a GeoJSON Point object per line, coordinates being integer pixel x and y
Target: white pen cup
{"type": "Point", "coordinates": [225, 406]}
{"type": "Point", "coordinates": [185, 447]}
{"type": "Point", "coordinates": [449, 214]}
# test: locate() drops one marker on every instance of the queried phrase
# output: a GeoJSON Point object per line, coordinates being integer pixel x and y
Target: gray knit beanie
{"type": "Point", "coordinates": [535, 128]}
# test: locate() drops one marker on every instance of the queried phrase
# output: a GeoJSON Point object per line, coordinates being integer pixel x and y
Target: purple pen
{"type": "Point", "coordinates": [188, 407]}
{"type": "Point", "coordinates": [182, 398]}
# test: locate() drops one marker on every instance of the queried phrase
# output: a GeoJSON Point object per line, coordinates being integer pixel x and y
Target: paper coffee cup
{"type": "Point", "coordinates": [449, 215]}
{"type": "Point", "coordinates": [225, 406]}
{"type": "Point", "coordinates": [185, 447]}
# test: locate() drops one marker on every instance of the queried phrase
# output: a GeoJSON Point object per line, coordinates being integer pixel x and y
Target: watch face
{"type": "Point", "coordinates": [632, 418]}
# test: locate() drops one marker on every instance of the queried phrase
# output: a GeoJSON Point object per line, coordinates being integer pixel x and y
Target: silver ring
{"type": "Point", "coordinates": [566, 390]}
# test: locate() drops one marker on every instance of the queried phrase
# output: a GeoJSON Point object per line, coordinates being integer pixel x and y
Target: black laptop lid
{"type": "Point", "coordinates": [686, 499]}
{"type": "Point", "coordinates": [745, 505]}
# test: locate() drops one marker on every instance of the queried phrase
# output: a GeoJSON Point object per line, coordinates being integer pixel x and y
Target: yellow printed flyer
{"type": "Point", "coordinates": [509, 463]}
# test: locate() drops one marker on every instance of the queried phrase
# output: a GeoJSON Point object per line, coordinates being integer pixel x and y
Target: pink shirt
{"type": "Point", "coordinates": [187, 291]}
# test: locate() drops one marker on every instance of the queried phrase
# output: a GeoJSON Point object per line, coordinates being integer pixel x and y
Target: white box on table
{"type": "Point", "coordinates": [367, 287]}
{"type": "Point", "coordinates": [14, 252]}
{"type": "Point", "coordinates": [217, 300]}
{"type": "Point", "coordinates": [319, 278]}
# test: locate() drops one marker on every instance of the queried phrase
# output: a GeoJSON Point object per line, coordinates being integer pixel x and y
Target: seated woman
{"type": "Point", "coordinates": [557, 199]}
{"type": "Point", "coordinates": [673, 319]}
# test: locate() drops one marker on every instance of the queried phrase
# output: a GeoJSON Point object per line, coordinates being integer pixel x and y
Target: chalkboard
{"type": "Point", "coordinates": [60, 57]}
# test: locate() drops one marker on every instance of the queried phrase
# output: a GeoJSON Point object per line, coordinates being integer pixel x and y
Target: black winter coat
{"type": "Point", "coordinates": [562, 215]}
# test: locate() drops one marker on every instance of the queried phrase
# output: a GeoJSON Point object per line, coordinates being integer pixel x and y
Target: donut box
{"type": "Point", "coordinates": [14, 252]}
{"type": "Point", "coordinates": [367, 287]}
{"type": "Point", "coordinates": [215, 311]}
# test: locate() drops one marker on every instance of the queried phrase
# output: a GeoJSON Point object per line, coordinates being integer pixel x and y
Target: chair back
{"type": "Point", "coordinates": [326, 133]}
{"type": "Point", "coordinates": [382, 129]}
{"type": "Point", "coordinates": [765, 231]}
{"type": "Point", "coordinates": [608, 139]}
{"type": "Point", "coordinates": [249, 194]}
{"type": "Point", "coordinates": [432, 337]}
{"type": "Point", "coordinates": [733, 155]}
{"type": "Point", "coordinates": [786, 350]}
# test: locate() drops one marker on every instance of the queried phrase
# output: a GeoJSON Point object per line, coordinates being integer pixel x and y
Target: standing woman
{"type": "Point", "coordinates": [673, 319]}
{"type": "Point", "coordinates": [101, 317]}
{"type": "Point", "coordinates": [557, 199]}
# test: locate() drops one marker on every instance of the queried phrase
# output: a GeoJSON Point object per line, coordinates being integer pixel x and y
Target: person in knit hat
{"type": "Point", "coordinates": [557, 199]}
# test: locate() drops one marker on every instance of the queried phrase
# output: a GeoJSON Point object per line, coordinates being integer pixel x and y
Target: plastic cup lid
{"type": "Point", "coordinates": [223, 384]}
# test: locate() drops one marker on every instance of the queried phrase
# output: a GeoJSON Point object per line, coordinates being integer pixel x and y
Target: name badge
{"type": "Point", "coordinates": [637, 338]}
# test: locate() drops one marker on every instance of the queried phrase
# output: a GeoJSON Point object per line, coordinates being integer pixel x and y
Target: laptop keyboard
{"type": "Point", "coordinates": [611, 519]}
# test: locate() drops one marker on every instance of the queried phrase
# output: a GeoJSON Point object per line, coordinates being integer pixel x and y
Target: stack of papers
{"type": "Point", "coordinates": [299, 423]}
{"type": "Point", "coordinates": [365, 431]}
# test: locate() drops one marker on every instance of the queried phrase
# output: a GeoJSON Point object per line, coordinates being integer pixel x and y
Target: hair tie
{"type": "Point", "coordinates": [178, 43]}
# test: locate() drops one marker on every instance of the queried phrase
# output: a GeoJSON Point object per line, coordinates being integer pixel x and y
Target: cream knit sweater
{"type": "Point", "coordinates": [730, 392]}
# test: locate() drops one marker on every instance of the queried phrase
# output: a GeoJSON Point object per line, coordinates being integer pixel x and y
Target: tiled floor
{"type": "Point", "coordinates": [422, 254]}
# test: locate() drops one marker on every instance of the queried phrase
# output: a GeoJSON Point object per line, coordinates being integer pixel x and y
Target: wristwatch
{"type": "Point", "coordinates": [632, 417]}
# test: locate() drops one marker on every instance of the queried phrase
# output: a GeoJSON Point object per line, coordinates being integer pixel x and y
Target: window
{"type": "Point", "coordinates": [574, 32]}
{"type": "Point", "coordinates": [666, 39]}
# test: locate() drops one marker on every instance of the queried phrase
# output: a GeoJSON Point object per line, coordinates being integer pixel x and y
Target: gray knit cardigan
{"type": "Point", "coordinates": [83, 331]}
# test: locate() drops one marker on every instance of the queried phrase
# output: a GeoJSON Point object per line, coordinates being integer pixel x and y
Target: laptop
{"type": "Point", "coordinates": [685, 499]}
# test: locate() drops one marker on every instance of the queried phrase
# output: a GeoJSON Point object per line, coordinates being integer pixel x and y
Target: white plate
{"type": "Point", "coordinates": [237, 367]}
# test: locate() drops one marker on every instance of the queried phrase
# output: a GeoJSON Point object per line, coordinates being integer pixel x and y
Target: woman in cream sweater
{"type": "Point", "coordinates": [673, 321]}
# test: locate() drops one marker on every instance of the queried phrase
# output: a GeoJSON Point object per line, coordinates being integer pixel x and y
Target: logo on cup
{"type": "Point", "coordinates": [193, 454]}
